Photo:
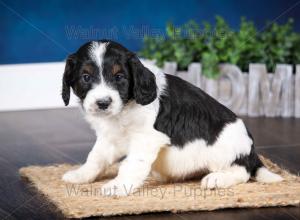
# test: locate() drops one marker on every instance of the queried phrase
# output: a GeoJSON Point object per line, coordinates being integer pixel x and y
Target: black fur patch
{"type": "Point", "coordinates": [251, 162]}
{"type": "Point", "coordinates": [121, 69]}
{"type": "Point", "coordinates": [187, 113]}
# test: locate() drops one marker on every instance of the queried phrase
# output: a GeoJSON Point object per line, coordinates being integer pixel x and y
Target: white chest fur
{"type": "Point", "coordinates": [133, 121]}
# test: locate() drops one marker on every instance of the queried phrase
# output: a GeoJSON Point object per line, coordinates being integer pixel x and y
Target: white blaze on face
{"type": "Point", "coordinates": [97, 52]}
{"type": "Point", "coordinates": [101, 90]}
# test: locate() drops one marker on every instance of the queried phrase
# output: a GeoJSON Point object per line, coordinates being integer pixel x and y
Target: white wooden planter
{"type": "Point", "coordinates": [258, 93]}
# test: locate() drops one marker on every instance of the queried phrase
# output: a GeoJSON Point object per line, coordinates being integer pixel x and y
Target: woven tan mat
{"type": "Point", "coordinates": [77, 201]}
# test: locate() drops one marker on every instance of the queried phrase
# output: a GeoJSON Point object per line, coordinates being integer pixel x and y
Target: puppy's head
{"type": "Point", "coordinates": [105, 76]}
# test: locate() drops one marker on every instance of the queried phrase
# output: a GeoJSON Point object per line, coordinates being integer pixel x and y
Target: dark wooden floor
{"type": "Point", "coordinates": [57, 136]}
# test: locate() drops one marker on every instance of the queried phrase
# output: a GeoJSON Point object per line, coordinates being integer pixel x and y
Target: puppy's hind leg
{"type": "Point", "coordinates": [235, 174]}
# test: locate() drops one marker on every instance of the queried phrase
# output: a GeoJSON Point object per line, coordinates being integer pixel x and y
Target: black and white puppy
{"type": "Point", "coordinates": [162, 124]}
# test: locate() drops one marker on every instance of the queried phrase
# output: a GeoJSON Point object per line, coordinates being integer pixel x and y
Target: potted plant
{"type": "Point", "coordinates": [250, 71]}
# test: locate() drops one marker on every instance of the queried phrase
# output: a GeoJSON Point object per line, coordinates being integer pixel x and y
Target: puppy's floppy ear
{"type": "Point", "coordinates": [66, 81]}
{"type": "Point", "coordinates": [144, 83]}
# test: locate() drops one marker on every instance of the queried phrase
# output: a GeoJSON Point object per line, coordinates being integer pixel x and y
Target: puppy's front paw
{"type": "Point", "coordinates": [79, 176]}
{"type": "Point", "coordinates": [116, 188]}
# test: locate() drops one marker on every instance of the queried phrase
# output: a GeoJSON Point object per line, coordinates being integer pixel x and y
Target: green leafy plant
{"type": "Point", "coordinates": [219, 43]}
{"type": "Point", "coordinates": [277, 42]}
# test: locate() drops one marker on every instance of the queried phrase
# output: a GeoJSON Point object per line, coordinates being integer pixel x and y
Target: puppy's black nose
{"type": "Point", "coordinates": [103, 103]}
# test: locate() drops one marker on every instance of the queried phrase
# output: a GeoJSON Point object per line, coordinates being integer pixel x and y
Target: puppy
{"type": "Point", "coordinates": [161, 123]}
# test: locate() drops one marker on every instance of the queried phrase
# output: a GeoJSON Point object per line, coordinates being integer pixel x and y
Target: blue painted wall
{"type": "Point", "coordinates": [43, 31]}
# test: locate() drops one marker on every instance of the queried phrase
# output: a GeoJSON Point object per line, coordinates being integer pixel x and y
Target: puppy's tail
{"type": "Point", "coordinates": [257, 169]}
{"type": "Point", "coordinates": [259, 172]}
{"type": "Point", "coordinates": [264, 175]}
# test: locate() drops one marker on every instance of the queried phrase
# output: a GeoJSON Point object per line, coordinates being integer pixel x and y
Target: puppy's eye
{"type": "Point", "coordinates": [119, 76]}
{"type": "Point", "coordinates": [86, 78]}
